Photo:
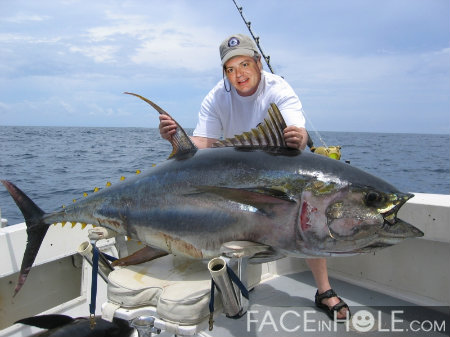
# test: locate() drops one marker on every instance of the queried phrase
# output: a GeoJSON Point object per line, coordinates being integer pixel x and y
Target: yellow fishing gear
{"type": "Point", "coordinates": [333, 152]}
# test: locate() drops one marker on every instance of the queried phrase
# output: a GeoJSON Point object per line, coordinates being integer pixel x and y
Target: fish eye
{"type": "Point", "coordinates": [373, 198]}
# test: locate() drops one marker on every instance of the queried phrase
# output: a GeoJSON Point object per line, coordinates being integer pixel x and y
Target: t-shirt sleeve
{"type": "Point", "coordinates": [209, 124]}
{"type": "Point", "coordinates": [291, 107]}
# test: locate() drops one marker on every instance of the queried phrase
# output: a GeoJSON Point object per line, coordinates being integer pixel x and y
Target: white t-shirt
{"type": "Point", "coordinates": [226, 114]}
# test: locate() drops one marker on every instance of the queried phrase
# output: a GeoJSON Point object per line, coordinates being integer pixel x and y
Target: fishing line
{"type": "Point", "coordinates": [267, 60]}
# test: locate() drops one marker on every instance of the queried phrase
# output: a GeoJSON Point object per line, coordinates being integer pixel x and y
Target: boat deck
{"type": "Point", "coordinates": [404, 290]}
{"type": "Point", "coordinates": [285, 305]}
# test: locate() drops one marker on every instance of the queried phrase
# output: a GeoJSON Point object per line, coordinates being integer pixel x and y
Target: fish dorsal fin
{"type": "Point", "coordinates": [181, 142]}
{"type": "Point", "coordinates": [268, 134]}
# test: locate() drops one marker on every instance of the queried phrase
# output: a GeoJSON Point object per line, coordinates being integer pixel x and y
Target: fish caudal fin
{"type": "Point", "coordinates": [47, 321]}
{"type": "Point", "coordinates": [36, 230]}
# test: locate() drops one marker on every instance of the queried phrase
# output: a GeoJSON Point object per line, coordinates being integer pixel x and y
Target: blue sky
{"type": "Point", "coordinates": [357, 65]}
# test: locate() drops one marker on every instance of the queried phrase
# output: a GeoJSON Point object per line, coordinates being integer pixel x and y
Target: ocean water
{"type": "Point", "coordinates": [54, 165]}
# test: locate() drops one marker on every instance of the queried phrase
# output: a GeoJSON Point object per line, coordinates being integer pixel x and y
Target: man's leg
{"type": "Point", "coordinates": [319, 270]}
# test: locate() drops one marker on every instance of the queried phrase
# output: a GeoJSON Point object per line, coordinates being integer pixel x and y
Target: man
{"type": "Point", "coordinates": [238, 104]}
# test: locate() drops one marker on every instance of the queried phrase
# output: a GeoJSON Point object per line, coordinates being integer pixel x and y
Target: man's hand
{"type": "Point", "coordinates": [295, 137]}
{"type": "Point", "coordinates": [167, 127]}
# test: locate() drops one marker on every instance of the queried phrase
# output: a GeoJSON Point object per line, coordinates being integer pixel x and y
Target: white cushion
{"type": "Point", "coordinates": [179, 288]}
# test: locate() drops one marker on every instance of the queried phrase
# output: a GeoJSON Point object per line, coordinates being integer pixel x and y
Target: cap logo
{"type": "Point", "coordinates": [233, 42]}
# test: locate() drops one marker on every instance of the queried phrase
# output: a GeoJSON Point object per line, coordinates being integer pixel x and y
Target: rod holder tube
{"type": "Point", "coordinates": [104, 268]}
{"type": "Point", "coordinates": [231, 304]}
{"type": "Point", "coordinates": [145, 326]}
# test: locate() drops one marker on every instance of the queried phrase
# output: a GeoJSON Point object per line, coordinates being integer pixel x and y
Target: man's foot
{"type": "Point", "coordinates": [330, 302]}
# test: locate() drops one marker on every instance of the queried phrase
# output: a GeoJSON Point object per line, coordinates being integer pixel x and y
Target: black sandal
{"type": "Point", "coordinates": [330, 311]}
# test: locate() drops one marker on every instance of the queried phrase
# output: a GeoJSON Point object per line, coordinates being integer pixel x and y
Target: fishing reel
{"type": "Point", "coordinates": [333, 152]}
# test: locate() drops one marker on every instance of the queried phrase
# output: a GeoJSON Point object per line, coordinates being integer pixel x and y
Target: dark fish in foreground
{"type": "Point", "coordinates": [251, 188]}
{"type": "Point", "coordinates": [66, 326]}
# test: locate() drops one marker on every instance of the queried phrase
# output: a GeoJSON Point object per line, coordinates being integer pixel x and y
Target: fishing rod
{"type": "Point", "coordinates": [255, 38]}
{"type": "Point", "coordinates": [329, 151]}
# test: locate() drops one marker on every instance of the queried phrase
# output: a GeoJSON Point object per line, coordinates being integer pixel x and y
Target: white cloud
{"type": "Point", "coordinates": [24, 18]}
{"type": "Point", "coordinates": [342, 69]}
{"type": "Point", "coordinates": [170, 44]}
{"type": "Point", "coordinates": [192, 49]}
{"type": "Point", "coordinates": [86, 52]}
{"type": "Point", "coordinates": [100, 54]}
{"type": "Point", "coordinates": [25, 38]}
{"type": "Point", "coordinates": [110, 32]}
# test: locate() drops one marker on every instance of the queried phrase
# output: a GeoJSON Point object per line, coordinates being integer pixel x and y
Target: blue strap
{"type": "Point", "coordinates": [238, 282]}
{"type": "Point", "coordinates": [109, 257]}
{"type": "Point", "coordinates": [94, 279]}
{"type": "Point", "coordinates": [211, 301]}
{"type": "Point", "coordinates": [211, 306]}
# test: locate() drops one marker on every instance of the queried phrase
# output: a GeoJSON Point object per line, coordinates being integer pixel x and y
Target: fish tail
{"type": "Point", "coordinates": [36, 230]}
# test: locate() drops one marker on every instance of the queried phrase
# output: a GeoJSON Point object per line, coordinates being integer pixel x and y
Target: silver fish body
{"type": "Point", "coordinates": [249, 188]}
{"type": "Point", "coordinates": [296, 202]}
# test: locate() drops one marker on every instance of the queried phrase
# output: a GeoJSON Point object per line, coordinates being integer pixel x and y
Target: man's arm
{"type": "Point", "coordinates": [203, 142]}
{"type": "Point", "coordinates": [295, 137]}
{"type": "Point", "coordinates": [167, 128]}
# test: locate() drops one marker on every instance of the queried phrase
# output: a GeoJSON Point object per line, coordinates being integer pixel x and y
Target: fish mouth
{"type": "Point", "coordinates": [390, 214]}
{"type": "Point", "coordinates": [395, 229]}
{"type": "Point", "coordinates": [399, 230]}
{"type": "Point", "coordinates": [378, 245]}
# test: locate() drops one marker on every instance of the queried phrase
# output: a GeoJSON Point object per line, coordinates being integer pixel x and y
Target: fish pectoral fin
{"type": "Point", "coordinates": [143, 255]}
{"type": "Point", "coordinates": [267, 256]}
{"type": "Point", "coordinates": [237, 249]}
{"type": "Point", "coordinates": [260, 198]}
{"type": "Point", "coordinates": [257, 252]}
{"type": "Point", "coordinates": [181, 143]}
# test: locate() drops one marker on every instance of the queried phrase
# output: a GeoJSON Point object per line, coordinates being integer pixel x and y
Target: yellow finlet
{"type": "Point", "coordinates": [138, 171]}
{"type": "Point", "coordinates": [122, 178]}
{"type": "Point", "coordinates": [74, 200]}
{"type": "Point", "coordinates": [83, 225]}
{"type": "Point", "coordinates": [63, 223]}
{"type": "Point", "coordinates": [108, 183]}
{"type": "Point", "coordinates": [96, 189]}
{"type": "Point", "coordinates": [153, 165]}
{"type": "Point", "coordinates": [85, 194]}
{"type": "Point", "coordinates": [73, 224]}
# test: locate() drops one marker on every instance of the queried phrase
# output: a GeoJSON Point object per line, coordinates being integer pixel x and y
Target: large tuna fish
{"type": "Point", "coordinates": [250, 188]}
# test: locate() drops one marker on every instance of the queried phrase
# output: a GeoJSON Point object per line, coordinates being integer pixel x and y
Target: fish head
{"type": "Point", "coordinates": [345, 220]}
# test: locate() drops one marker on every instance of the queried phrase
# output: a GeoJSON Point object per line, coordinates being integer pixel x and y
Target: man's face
{"type": "Point", "coordinates": [244, 74]}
